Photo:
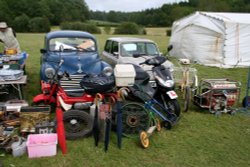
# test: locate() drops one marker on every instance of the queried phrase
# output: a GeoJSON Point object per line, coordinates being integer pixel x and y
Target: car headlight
{"type": "Point", "coordinates": [108, 71]}
{"type": "Point", "coordinates": [167, 83]}
{"type": "Point", "coordinates": [49, 72]}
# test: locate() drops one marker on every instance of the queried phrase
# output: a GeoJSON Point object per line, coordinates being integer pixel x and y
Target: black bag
{"type": "Point", "coordinates": [93, 83]}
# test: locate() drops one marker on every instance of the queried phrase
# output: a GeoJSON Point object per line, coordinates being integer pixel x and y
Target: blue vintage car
{"type": "Point", "coordinates": [77, 49]}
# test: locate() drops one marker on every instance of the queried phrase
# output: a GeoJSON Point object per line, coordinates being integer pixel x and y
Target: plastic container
{"type": "Point", "coordinates": [19, 148]}
{"type": "Point", "coordinates": [10, 75]}
{"type": "Point", "coordinates": [124, 74]}
{"type": "Point", "coordinates": [41, 145]}
{"type": "Point", "coordinates": [15, 105]}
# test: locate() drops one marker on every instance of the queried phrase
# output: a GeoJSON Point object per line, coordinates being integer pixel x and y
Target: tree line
{"type": "Point", "coordinates": [31, 14]}
{"type": "Point", "coordinates": [168, 13]}
{"type": "Point", "coordinates": [39, 15]}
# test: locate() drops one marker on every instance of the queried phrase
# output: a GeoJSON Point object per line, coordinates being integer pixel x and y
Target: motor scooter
{"type": "Point", "coordinates": [163, 95]}
{"type": "Point", "coordinates": [164, 91]}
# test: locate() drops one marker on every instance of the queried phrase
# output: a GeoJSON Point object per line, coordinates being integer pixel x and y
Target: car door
{"type": "Point", "coordinates": [110, 53]}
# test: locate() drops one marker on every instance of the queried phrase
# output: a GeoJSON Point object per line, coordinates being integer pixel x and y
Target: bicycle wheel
{"type": "Point", "coordinates": [187, 92]}
{"type": "Point", "coordinates": [134, 118]}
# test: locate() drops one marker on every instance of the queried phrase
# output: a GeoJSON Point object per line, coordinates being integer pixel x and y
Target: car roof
{"type": "Point", "coordinates": [69, 33]}
{"type": "Point", "coordinates": [129, 39]}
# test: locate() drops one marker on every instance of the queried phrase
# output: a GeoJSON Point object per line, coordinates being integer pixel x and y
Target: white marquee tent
{"type": "Point", "coordinates": [213, 39]}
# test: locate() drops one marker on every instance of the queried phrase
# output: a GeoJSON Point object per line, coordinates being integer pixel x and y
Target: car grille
{"type": "Point", "coordinates": [72, 86]}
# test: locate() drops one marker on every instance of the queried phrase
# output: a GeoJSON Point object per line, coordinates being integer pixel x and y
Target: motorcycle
{"type": "Point", "coordinates": [77, 121]}
{"type": "Point", "coordinates": [163, 93]}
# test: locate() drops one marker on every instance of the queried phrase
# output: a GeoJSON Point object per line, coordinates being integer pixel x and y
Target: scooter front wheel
{"type": "Point", "coordinates": [173, 106]}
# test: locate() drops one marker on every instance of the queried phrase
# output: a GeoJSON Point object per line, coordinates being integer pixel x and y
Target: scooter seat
{"type": "Point", "coordinates": [73, 92]}
{"type": "Point", "coordinates": [140, 73]}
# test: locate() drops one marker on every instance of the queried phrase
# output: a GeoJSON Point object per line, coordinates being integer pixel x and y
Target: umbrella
{"type": "Point", "coordinates": [96, 127]}
{"type": "Point", "coordinates": [119, 123]}
{"type": "Point", "coordinates": [107, 131]}
{"type": "Point", "coordinates": [120, 93]}
{"type": "Point", "coordinates": [108, 124]}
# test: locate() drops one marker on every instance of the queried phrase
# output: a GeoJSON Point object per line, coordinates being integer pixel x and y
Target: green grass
{"type": "Point", "coordinates": [199, 139]}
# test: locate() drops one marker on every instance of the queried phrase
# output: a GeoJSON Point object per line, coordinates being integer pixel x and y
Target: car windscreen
{"type": "Point", "coordinates": [72, 44]}
{"type": "Point", "coordinates": [139, 48]}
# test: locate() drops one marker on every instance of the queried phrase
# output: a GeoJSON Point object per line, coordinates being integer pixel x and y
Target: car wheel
{"type": "Point", "coordinates": [77, 124]}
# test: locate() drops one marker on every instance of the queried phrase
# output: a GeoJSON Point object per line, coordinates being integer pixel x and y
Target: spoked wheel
{"type": "Point", "coordinates": [187, 94]}
{"type": "Point", "coordinates": [246, 102]}
{"type": "Point", "coordinates": [144, 139]}
{"type": "Point", "coordinates": [77, 124]}
{"type": "Point", "coordinates": [134, 118]}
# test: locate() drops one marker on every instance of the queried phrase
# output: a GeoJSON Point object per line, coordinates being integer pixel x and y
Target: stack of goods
{"type": "Point", "coordinates": [11, 65]}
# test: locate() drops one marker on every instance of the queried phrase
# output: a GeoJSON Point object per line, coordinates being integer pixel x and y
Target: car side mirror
{"type": "Point", "coordinates": [170, 47]}
{"type": "Point", "coordinates": [115, 54]}
{"type": "Point", "coordinates": [43, 51]}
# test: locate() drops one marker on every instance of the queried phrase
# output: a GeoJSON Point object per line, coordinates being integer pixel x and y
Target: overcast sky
{"type": "Point", "coordinates": [126, 5]}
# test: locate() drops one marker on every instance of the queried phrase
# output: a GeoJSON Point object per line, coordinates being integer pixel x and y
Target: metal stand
{"type": "Point", "coordinates": [247, 103]}
{"type": "Point", "coordinates": [17, 85]}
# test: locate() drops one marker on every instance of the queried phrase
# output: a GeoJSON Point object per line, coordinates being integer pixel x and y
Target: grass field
{"type": "Point", "coordinates": [199, 139]}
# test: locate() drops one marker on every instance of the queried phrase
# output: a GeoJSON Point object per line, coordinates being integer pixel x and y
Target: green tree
{"type": "Point", "coordinates": [107, 29]}
{"type": "Point", "coordinates": [21, 23]}
{"type": "Point", "coordinates": [5, 12]}
{"type": "Point", "coordinates": [214, 5]}
{"type": "Point", "coordinates": [39, 24]}
{"type": "Point", "coordinates": [128, 28]}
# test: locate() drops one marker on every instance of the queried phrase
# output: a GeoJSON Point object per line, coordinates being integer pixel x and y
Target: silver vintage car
{"type": "Point", "coordinates": [120, 50]}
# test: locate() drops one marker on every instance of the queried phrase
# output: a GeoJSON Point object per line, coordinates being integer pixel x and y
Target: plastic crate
{"type": "Point", "coordinates": [124, 74]}
{"type": "Point", "coordinates": [42, 145]}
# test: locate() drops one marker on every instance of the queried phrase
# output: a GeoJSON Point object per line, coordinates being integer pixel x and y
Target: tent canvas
{"type": "Point", "coordinates": [213, 39]}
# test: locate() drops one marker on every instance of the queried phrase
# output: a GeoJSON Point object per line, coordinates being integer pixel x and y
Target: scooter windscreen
{"type": "Point", "coordinates": [156, 61]}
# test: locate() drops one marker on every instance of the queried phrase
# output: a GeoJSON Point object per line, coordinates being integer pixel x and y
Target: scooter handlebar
{"type": "Point", "coordinates": [142, 63]}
